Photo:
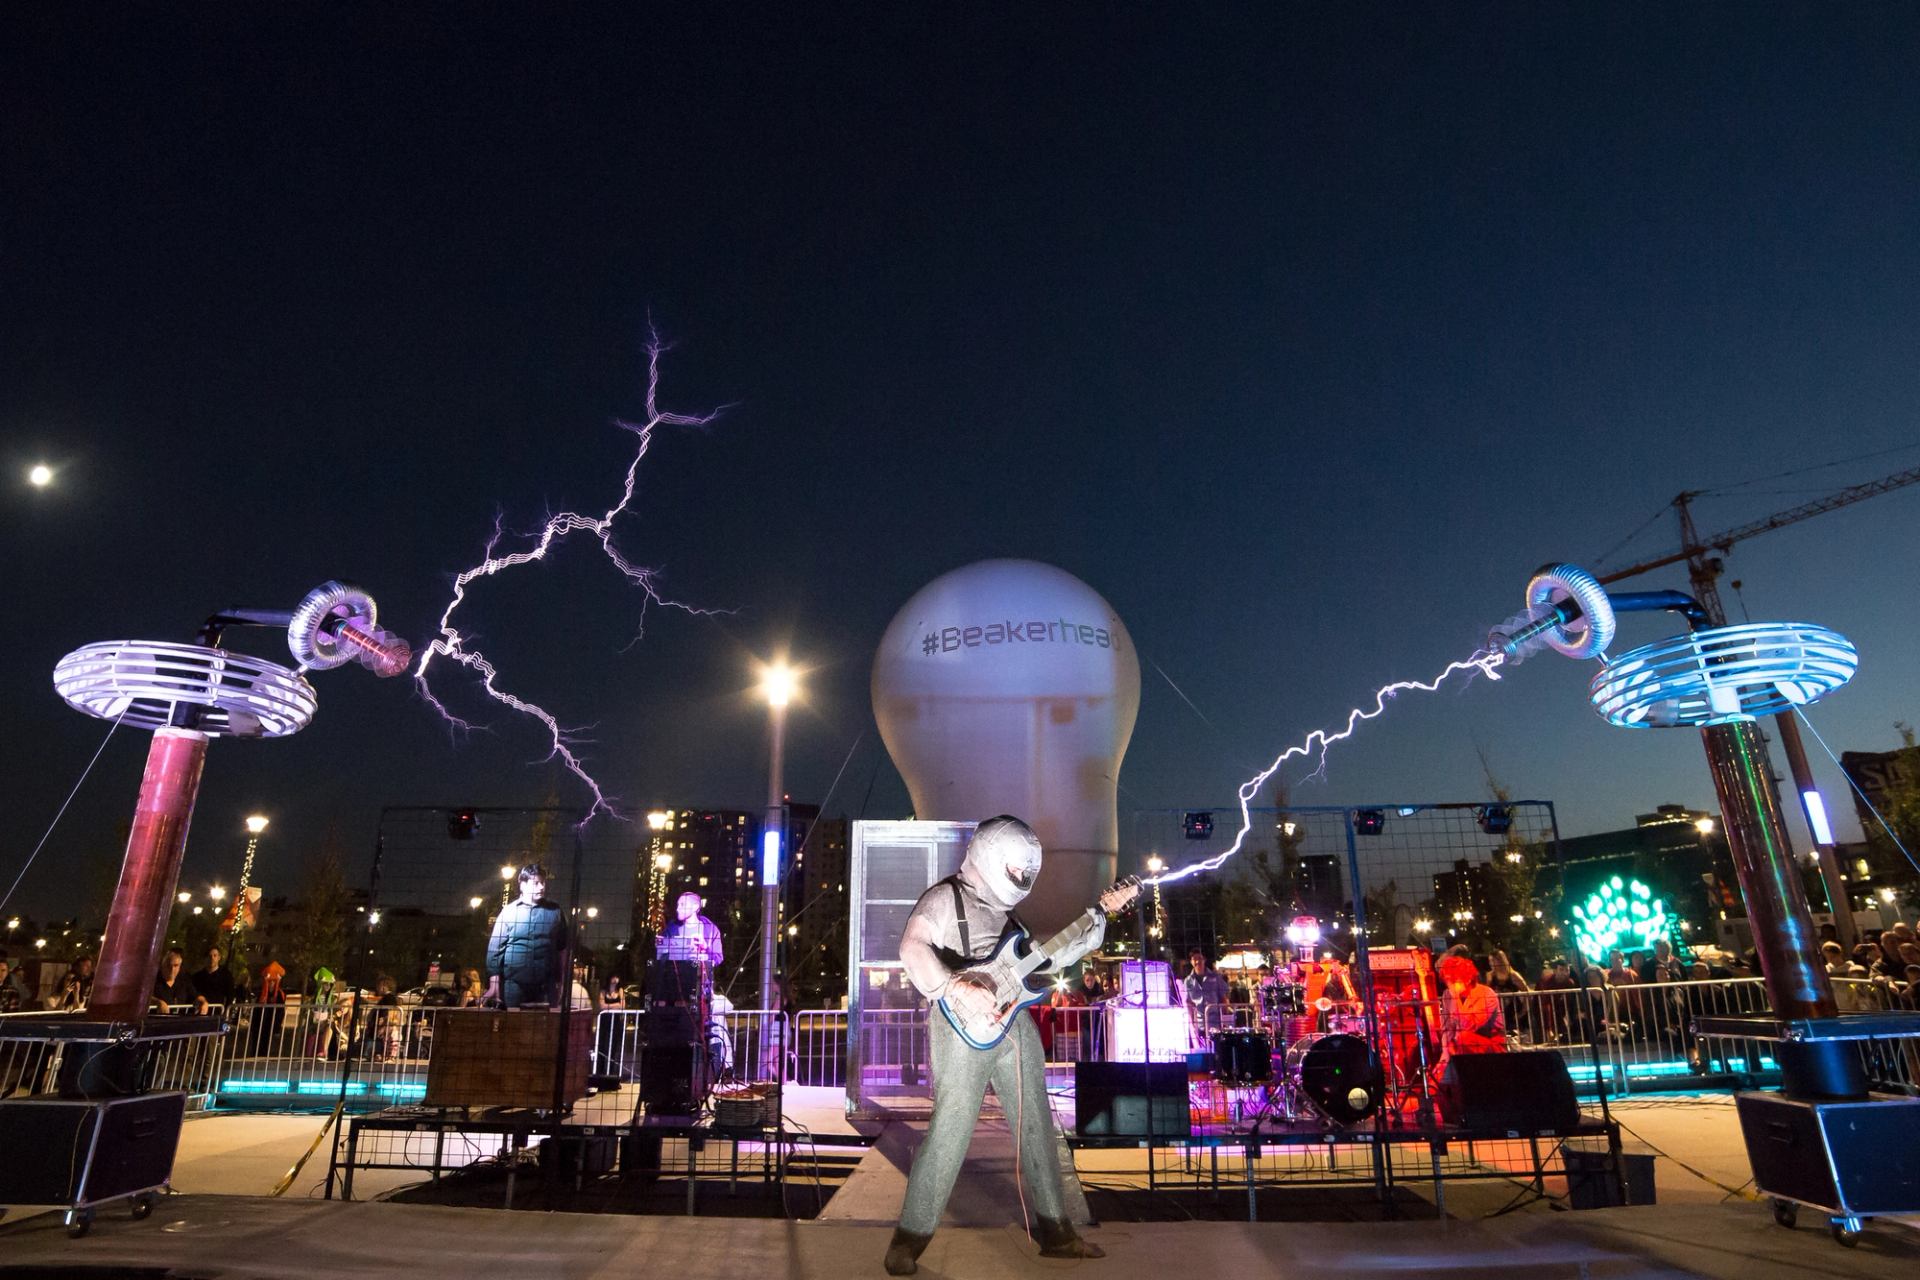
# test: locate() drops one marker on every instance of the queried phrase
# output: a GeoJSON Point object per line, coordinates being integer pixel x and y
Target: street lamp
{"type": "Point", "coordinates": [1704, 826]}
{"type": "Point", "coordinates": [779, 683]}
{"type": "Point", "coordinates": [184, 897]}
{"type": "Point", "coordinates": [217, 893]}
{"type": "Point", "coordinates": [474, 902]}
{"type": "Point", "coordinates": [658, 819]}
{"type": "Point", "coordinates": [256, 823]}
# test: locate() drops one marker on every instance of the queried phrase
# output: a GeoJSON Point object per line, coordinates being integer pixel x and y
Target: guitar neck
{"type": "Point", "coordinates": [1042, 953]}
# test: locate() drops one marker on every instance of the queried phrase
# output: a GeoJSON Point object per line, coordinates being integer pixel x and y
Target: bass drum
{"type": "Point", "coordinates": [1337, 1075]}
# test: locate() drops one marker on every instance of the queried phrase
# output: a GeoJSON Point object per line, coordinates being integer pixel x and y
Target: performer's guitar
{"type": "Point", "coordinates": [1007, 973]}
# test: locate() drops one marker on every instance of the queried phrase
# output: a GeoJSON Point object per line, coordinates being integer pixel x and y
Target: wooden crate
{"type": "Point", "coordinates": [505, 1058]}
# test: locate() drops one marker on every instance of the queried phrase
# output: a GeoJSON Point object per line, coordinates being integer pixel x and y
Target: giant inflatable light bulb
{"type": "Point", "coordinates": [1010, 686]}
{"type": "Point", "coordinates": [456, 646]}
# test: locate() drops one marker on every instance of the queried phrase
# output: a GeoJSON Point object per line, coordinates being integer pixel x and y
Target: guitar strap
{"type": "Point", "coordinates": [960, 917]}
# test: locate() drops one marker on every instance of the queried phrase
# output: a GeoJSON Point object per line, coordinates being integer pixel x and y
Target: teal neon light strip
{"type": "Point", "coordinates": [322, 1088]}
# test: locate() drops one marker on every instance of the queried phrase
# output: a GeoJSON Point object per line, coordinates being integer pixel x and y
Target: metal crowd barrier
{"type": "Point", "coordinates": [379, 1055]}
{"type": "Point", "coordinates": [820, 1047]}
{"type": "Point", "coordinates": [1641, 1037]}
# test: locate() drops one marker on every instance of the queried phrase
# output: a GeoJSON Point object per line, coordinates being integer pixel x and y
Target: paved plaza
{"type": "Point", "coordinates": [221, 1223]}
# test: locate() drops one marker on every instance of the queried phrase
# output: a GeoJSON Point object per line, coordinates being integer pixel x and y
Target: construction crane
{"type": "Point", "coordinates": [1703, 573]}
{"type": "Point", "coordinates": [1703, 567]}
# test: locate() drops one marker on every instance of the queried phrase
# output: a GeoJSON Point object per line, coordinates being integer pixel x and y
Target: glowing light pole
{"type": "Point", "coordinates": [778, 683]}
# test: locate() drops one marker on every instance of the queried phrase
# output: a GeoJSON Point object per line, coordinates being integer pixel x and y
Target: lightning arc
{"type": "Point", "coordinates": [452, 645]}
{"type": "Point", "coordinates": [1486, 662]}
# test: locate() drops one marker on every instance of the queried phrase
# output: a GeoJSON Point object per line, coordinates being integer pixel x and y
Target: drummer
{"type": "Point", "coordinates": [1330, 989]}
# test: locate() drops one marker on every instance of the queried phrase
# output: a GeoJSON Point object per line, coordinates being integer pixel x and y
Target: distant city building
{"type": "Point", "coordinates": [816, 905]}
{"type": "Point", "coordinates": [1319, 885]}
{"type": "Point", "coordinates": [1878, 775]}
{"type": "Point", "coordinates": [1469, 892]}
{"type": "Point", "coordinates": [716, 853]}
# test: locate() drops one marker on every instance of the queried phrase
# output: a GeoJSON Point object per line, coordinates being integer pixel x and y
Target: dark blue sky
{"type": "Point", "coordinates": [1303, 334]}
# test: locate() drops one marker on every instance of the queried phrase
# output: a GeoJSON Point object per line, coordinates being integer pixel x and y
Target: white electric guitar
{"type": "Point", "coordinates": [1005, 974]}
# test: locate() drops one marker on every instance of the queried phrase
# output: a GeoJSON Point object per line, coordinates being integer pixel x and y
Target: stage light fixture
{"type": "Point", "coordinates": [1369, 822]}
{"type": "Point", "coordinates": [462, 823]}
{"type": "Point", "coordinates": [1494, 819]}
{"type": "Point", "coordinates": [1198, 825]}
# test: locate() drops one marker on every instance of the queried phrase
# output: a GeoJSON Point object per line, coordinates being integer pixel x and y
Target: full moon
{"type": "Point", "coordinates": [40, 475]}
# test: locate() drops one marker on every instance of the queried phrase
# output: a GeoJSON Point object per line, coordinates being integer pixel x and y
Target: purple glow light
{"type": "Point", "coordinates": [1485, 661]}
{"type": "Point", "coordinates": [452, 645]}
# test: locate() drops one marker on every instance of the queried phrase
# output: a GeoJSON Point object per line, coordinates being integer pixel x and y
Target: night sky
{"type": "Point", "coordinates": [1301, 333]}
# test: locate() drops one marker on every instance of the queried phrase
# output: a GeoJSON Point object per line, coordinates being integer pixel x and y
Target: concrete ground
{"type": "Point", "coordinates": [231, 1236]}
{"type": "Point", "coordinates": [222, 1223]}
{"type": "Point", "coordinates": [1696, 1139]}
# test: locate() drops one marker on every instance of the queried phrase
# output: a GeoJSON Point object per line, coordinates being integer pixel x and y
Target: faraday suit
{"type": "Point", "coordinates": [997, 873]}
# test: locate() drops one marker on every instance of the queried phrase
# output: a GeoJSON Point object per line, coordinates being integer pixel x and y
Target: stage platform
{"type": "Point", "coordinates": [227, 1236]}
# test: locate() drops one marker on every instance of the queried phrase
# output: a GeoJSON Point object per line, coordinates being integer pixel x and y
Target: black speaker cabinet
{"type": "Point", "coordinates": [1112, 1099]}
{"type": "Point", "coordinates": [1594, 1183]}
{"type": "Point", "coordinates": [673, 1079]}
{"type": "Point", "coordinates": [582, 1155]}
{"type": "Point", "coordinates": [669, 1024]}
{"type": "Point", "coordinates": [1517, 1093]}
{"type": "Point", "coordinates": [74, 1152]}
{"type": "Point", "coordinates": [1857, 1158]}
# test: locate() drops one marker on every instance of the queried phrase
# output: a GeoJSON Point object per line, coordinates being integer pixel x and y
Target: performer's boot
{"type": "Point", "coordinates": [903, 1252]}
{"type": "Point", "coordinates": [1058, 1239]}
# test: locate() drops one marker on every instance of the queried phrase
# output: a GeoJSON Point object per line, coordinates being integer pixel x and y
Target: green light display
{"type": "Point", "coordinates": [1621, 914]}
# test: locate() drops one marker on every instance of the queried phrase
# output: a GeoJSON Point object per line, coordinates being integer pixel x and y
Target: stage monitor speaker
{"type": "Point", "coordinates": [1526, 1092]}
{"type": "Point", "coordinates": [1117, 1099]}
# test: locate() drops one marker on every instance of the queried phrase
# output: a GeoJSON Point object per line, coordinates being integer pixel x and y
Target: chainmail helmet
{"type": "Point", "coordinates": [1003, 860]}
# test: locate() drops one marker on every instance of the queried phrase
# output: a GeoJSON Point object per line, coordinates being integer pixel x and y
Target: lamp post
{"type": "Point", "coordinates": [778, 684]}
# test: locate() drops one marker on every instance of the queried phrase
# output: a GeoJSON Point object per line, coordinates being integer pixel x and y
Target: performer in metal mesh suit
{"type": "Point", "coordinates": [958, 921]}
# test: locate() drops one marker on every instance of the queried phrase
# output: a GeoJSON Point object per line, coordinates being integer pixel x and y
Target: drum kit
{"type": "Point", "coordinates": [1327, 1070]}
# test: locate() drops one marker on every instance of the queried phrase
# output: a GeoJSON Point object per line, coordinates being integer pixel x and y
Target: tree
{"type": "Point", "coordinates": [1901, 809]}
{"type": "Point", "coordinates": [320, 934]}
{"type": "Point", "coordinates": [1526, 939]}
